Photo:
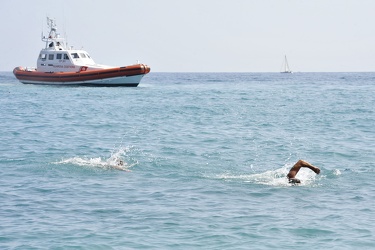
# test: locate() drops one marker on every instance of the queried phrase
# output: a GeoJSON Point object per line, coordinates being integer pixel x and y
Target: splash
{"type": "Point", "coordinates": [336, 172]}
{"type": "Point", "coordinates": [115, 161]}
{"type": "Point", "coordinates": [275, 177]}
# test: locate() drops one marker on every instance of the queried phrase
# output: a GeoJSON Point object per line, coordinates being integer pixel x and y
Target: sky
{"type": "Point", "coordinates": [198, 35]}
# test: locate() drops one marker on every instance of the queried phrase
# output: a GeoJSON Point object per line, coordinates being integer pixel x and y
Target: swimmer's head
{"type": "Point", "coordinates": [294, 180]}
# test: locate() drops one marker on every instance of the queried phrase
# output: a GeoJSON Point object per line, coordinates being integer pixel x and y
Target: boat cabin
{"type": "Point", "coordinates": [61, 60]}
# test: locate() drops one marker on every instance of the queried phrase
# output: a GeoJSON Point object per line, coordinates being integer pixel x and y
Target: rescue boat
{"type": "Point", "coordinates": [59, 64]}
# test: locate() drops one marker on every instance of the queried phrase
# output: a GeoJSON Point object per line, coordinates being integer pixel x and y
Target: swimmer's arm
{"type": "Point", "coordinates": [300, 164]}
{"type": "Point", "coordinates": [310, 166]}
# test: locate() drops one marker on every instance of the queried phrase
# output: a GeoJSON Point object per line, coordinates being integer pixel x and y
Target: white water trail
{"type": "Point", "coordinates": [113, 162]}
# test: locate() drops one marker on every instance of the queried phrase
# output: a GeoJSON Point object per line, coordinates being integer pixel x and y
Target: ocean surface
{"type": "Point", "coordinates": [206, 156]}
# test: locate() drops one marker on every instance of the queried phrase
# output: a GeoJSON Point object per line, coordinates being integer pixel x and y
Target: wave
{"type": "Point", "coordinates": [118, 160]}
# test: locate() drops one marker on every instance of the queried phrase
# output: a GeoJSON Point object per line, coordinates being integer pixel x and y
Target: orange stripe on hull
{"type": "Point", "coordinates": [89, 75]}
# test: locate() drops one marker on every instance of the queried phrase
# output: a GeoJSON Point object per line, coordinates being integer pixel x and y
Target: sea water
{"type": "Point", "coordinates": [206, 156]}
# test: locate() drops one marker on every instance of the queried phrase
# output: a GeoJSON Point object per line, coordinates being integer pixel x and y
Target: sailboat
{"type": "Point", "coordinates": [285, 67]}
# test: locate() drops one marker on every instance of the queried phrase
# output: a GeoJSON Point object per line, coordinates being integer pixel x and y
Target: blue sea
{"type": "Point", "coordinates": [206, 156]}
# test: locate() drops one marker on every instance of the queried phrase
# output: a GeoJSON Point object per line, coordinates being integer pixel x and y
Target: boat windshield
{"type": "Point", "coordinates": [75, 55]}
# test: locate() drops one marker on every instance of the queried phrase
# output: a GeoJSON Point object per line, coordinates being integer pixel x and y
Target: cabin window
{"type": "Point", "coordinates": [50, 57]}
{"type": "Point", "coordinates": [88, 55]}
{"type": "Point", "coordinates": [82, 55]}
{"type": "Point", "coordinates": [66, 57]}
{"type": "Point", "coordinates": [58, 56]}
{"type": "Point", "coordinates": [75, 55]}
{"type": "Point", "coordinates": [43, 56]}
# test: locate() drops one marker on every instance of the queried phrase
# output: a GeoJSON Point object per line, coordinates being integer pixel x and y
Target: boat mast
{"type": "Point", "coordinates": [52, 33]}
{"type": "Point", "coordinates": [53, 40]}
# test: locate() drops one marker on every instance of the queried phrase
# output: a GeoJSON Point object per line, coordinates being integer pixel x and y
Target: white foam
{"type": "Point", "coordinates": [336, 172]}
{"type": "Point", "coordinates": [111, 163]}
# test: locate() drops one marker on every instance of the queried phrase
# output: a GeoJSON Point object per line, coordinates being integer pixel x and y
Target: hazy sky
{"type": "Point", "coordinates": [199, 35]}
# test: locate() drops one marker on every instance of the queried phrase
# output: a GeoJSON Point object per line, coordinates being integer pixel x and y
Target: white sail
{"type": "Point", "coordinates": [285, 67]}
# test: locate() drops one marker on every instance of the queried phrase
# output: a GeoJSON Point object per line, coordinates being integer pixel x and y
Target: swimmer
{"type": "Point", "coordinates": [120, 166]}
{"type": "Point", "coordinates": [294, 170]}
